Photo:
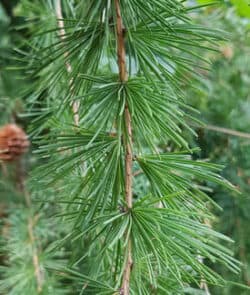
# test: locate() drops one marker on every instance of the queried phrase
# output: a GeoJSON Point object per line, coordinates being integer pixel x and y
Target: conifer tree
{"type": "Point", "coordinates": [121, 64]}
{"type": "Point", "coordinates": [26, 232]}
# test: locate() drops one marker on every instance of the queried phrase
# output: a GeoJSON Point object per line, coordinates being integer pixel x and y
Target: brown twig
{"type": "Point", "coordinates": [121, 55]}
{"type": "Point", "coordinates": [204, 286]}
{"type": "Point", "coordinates": [60, 22]}
{"type": "Point", "coordinates": [225, 131]}
{"type": "Point", "coordinates": [31, 223]}
{"type": "Point", "coordinates": [35, 258]}
{"type": "Point", "coordinates": [137, 172]}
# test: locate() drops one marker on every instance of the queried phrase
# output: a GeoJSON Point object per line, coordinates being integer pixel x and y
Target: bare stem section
{"type": "Point", "coordinates": [76, 104]}
{"type": "Point", "coordinates": [121, 55]}
{"type": "Point", "coordinates": [121, 52]}
{"type": "Point", "coordinates": [127, 271]}
{"type": "Point", "coordinates": [31, 224]}
{"type": "Point", "coordinates": [36, 264]}
{"type": "Point", "coordinates": [128, 160]}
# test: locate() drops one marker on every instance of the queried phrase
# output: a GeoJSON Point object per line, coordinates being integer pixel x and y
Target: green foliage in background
{"type": "Point", "coordinates": [225, 102]}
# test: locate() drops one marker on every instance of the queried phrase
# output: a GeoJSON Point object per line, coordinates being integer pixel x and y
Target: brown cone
{"type": "Point", "coordinates": [13, 142]}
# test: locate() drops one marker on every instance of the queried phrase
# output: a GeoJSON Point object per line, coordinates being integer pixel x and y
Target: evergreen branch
{"type": "Point", "coordinates": [156, 47]}
{"type": "Point", "coordinates": [62, 34]}
{"type": "Point", "coordinates": [31, 223]}
{"type": "Point", "coordinates": [121, 54]}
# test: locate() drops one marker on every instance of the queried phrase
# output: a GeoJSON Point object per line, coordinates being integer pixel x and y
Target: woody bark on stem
{"type": "Point", "coordinates": [123, 75]}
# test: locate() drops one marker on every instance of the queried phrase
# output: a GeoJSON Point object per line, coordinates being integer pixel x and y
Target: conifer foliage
{"type": "Point", "coordinates": [107, 97]}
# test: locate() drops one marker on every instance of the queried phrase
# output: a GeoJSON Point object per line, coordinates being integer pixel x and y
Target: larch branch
{"type": "Point", "coordinates": [31, 224]}
{"type": "Point", "coordinates": [121, 56]}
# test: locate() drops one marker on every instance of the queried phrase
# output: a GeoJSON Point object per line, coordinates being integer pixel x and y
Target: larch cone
{"type": "Point", "coordinates": [13, 142]}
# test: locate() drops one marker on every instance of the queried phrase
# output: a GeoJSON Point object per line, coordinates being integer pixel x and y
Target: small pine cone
{"type": "Point", "coordinates": [13, 142]}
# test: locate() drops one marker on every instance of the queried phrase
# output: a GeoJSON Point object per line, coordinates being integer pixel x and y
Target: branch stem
{"type": "Point", "coordinates": [123, 75]}
{"type": "Point", "coordinates": [227, 131]}
{"type": "Point", "coordinates": [31, 224]}
{"type": "Point", "coordinates": [35, 258]}
{"type": "Point", "coordinates": [60, 22]}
